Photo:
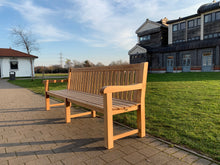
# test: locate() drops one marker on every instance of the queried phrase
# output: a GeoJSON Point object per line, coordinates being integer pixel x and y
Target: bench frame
{"type": "Point", "coordinates": [107, 92]}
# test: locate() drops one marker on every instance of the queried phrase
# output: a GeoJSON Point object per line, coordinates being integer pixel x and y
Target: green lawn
{"type": "Point", "coordinates": [183, 108]}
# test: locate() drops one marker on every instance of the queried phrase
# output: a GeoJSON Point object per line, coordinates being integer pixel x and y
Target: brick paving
{"type": "Point", "coordinates": [29, 135]}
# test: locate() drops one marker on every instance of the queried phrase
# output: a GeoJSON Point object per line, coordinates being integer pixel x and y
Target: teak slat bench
{"type": "Point", "coordinates": [109, 90]}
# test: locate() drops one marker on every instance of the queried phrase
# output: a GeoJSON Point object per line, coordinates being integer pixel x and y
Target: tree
{"type": "Point", "coordinates": [119, 62]}
{"type": "Point", "coordinates": [77, 64]}
{"type": "Point", "coordinates": [68, 63]}
{"type": "Point", "coordinates": [25, 40]}
{"type": "Point", "coordinates": [87, 63]}
{"type": "Point", "coordinates": [99, 64]}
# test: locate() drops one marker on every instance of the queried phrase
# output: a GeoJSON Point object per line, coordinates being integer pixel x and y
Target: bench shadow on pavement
{"type": "Point", "coordinates": [76, 145]}
{"type": "Point", "coordinates": [21, 110]}
{"type": "Point", "coordinates": [32, 122]}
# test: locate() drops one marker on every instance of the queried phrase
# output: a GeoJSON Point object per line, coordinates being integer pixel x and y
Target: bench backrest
{"type": "Point", "coordinates": [92, 79]}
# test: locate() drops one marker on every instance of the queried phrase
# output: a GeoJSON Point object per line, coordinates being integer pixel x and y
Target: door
{"type": "Point", "coordinates": [170, 64]}
{"type": "Point", "coordinates": [186, 63]}
{"type": "Point", "coordinates": [207, 62]}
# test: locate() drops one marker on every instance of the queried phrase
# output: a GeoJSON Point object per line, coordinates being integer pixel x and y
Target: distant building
{"type": "Point", "coordinates": [13, 60]}
{"type": "Point", "coordinates": [183, 45]}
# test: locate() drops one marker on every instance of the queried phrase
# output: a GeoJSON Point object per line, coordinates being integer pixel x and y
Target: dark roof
{"type": "Point", "coordinates": [182, 19]}
{"type": "Point", "coordinates": [208, 7]}
{"type": "Point", "coordinates": [151, 31]}
{"type": "Point", "coordinates": [202, 9]}
{"type": "Point", "coordinates": [14, 53]}
{"type": "Point", "coordinates": [184, 46]}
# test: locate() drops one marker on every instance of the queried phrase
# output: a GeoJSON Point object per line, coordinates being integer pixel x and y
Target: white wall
{"type": "Point", "coordinates": [24, 67]}
{"type": "Point", "coordinates": [0, 66]}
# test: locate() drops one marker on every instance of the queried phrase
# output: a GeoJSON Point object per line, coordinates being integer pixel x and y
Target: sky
{"type": "Point", "coordinates": [95, 30]}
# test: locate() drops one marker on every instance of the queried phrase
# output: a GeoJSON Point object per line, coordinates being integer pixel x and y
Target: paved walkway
{"type": "Point", "coordinates": [30, 135]}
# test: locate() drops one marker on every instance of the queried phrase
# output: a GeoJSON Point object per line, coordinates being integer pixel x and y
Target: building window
{"type": "Point", "coordinates": [190, 24]}
{"type": "Point", "coordinates": [199, 21]}
{"type": "Point", "coordinates": [182, 25]}
{"type": "Point", "coordinates": [213, 17]}
{"type": "Point", "coordinates": [210, 36]}
{"type": "Point", "coordinates": [145, 38]}
{"type": "Point", "coordinates": [14, 64]}
{"type": "Point", "coordinates": [208, 18]}
{"type": "Point", "coordinates": [195, 22]}
{"type": "Point", "coordinates": [175, 27]}
{"type": "Point", "coordinates": [217, 15]}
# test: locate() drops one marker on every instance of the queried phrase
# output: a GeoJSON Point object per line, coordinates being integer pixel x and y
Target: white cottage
{"type": "Point", "coordinates": [13, 60]}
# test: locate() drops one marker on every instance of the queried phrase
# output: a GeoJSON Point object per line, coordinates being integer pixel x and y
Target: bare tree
{"type": "Point", "coordinates": [77, 64]}
{"type": "Point", "coordinates": [119, 62]}
{"type": "Point", "coordinates": [25, 39]}
{"type": "Point", "coordinates": [68, 63]}
{"type": "Point", "coordinates": [99, 64]}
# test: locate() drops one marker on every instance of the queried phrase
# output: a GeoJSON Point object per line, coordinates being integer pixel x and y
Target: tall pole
{"type": "Point", "coordinates": [61, 60]}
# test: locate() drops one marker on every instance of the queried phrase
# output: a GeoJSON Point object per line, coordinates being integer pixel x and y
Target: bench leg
{"type": "Point", "coordinates": [141, 121]}
{"type": "Point", "coordinates": [47, 101]}
{"type": "Point", "coordinates": [108, 121]}
{"type": "Point", "coordinates": [67, 110]}
{"type": "Point", "coordinates": [93, 113]}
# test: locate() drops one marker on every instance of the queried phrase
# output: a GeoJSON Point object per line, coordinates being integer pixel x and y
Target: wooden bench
{"type": "Point", "coordinates": [109, 90]}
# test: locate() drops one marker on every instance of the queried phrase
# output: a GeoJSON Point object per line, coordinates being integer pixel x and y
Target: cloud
{"type": "Point", "coordinates": [107, 24]}
{"type": "Point", "coordinates": [39, 21]}
{"type": "Point", "coordinates": [100, 23]}
{"type": "Point", "coordinates": [114, 22]}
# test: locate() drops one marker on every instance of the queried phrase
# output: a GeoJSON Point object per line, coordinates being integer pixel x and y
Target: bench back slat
{"type": "Point", "coordinates": [92, 79]}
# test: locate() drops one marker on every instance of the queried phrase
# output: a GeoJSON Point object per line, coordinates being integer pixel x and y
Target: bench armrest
{"type": "Point", "coordinates": [120, 88]}
{"type": "Point", "coordinates": [46, 83]}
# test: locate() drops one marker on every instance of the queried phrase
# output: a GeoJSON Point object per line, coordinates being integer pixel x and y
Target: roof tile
{"type": "Point", "coordinates": [14, 53]}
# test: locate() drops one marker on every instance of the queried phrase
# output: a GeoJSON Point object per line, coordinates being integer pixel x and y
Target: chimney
{"type": "Point", "coordinates": [164, 21]}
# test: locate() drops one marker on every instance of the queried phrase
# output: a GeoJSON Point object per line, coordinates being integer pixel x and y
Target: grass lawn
{"type": "Point", "coordinates": [183, 108]}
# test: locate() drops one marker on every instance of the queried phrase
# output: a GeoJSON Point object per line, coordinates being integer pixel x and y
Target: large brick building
{"type": "Point", "coordinates": [186, 44]}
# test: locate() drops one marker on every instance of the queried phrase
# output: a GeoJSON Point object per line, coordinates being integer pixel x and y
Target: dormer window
{"type": "Point", "coordinates": [145, 38]}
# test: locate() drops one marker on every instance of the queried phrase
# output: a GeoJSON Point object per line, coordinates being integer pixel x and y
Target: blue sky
{"type": "Point", "coordinates": [95, 30]}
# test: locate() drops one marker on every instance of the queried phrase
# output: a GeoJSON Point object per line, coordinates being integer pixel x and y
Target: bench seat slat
{"type": "Point", "coordinates": [91, 99]}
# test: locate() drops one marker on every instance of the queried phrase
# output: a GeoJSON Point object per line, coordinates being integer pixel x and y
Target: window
{"type": "Point", "coordinates": [145, 38]}
{"type": "Point", "coordinates": [217, 15]}
{"type": "Point", "coordinates": [198, 21]}
{"type": "Point", "coordinates": [175, 27]}
{"type": "Point", "coordinates": [190, 24]}
{"type": "Point", "coordinates": [213, 16]}
{"type": "Point", "coordinates": [215, 35]}
{"type": "Point", "coordinates": [182, 25]}
{"type": "Point", "coordinates": [208, 18]}
{"type": "Point", "coordinates": [197, 38]}
{"type": "Point", "coordinates": [14, 64]}
{"type": "Point", "coordinates": [195, 22]}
